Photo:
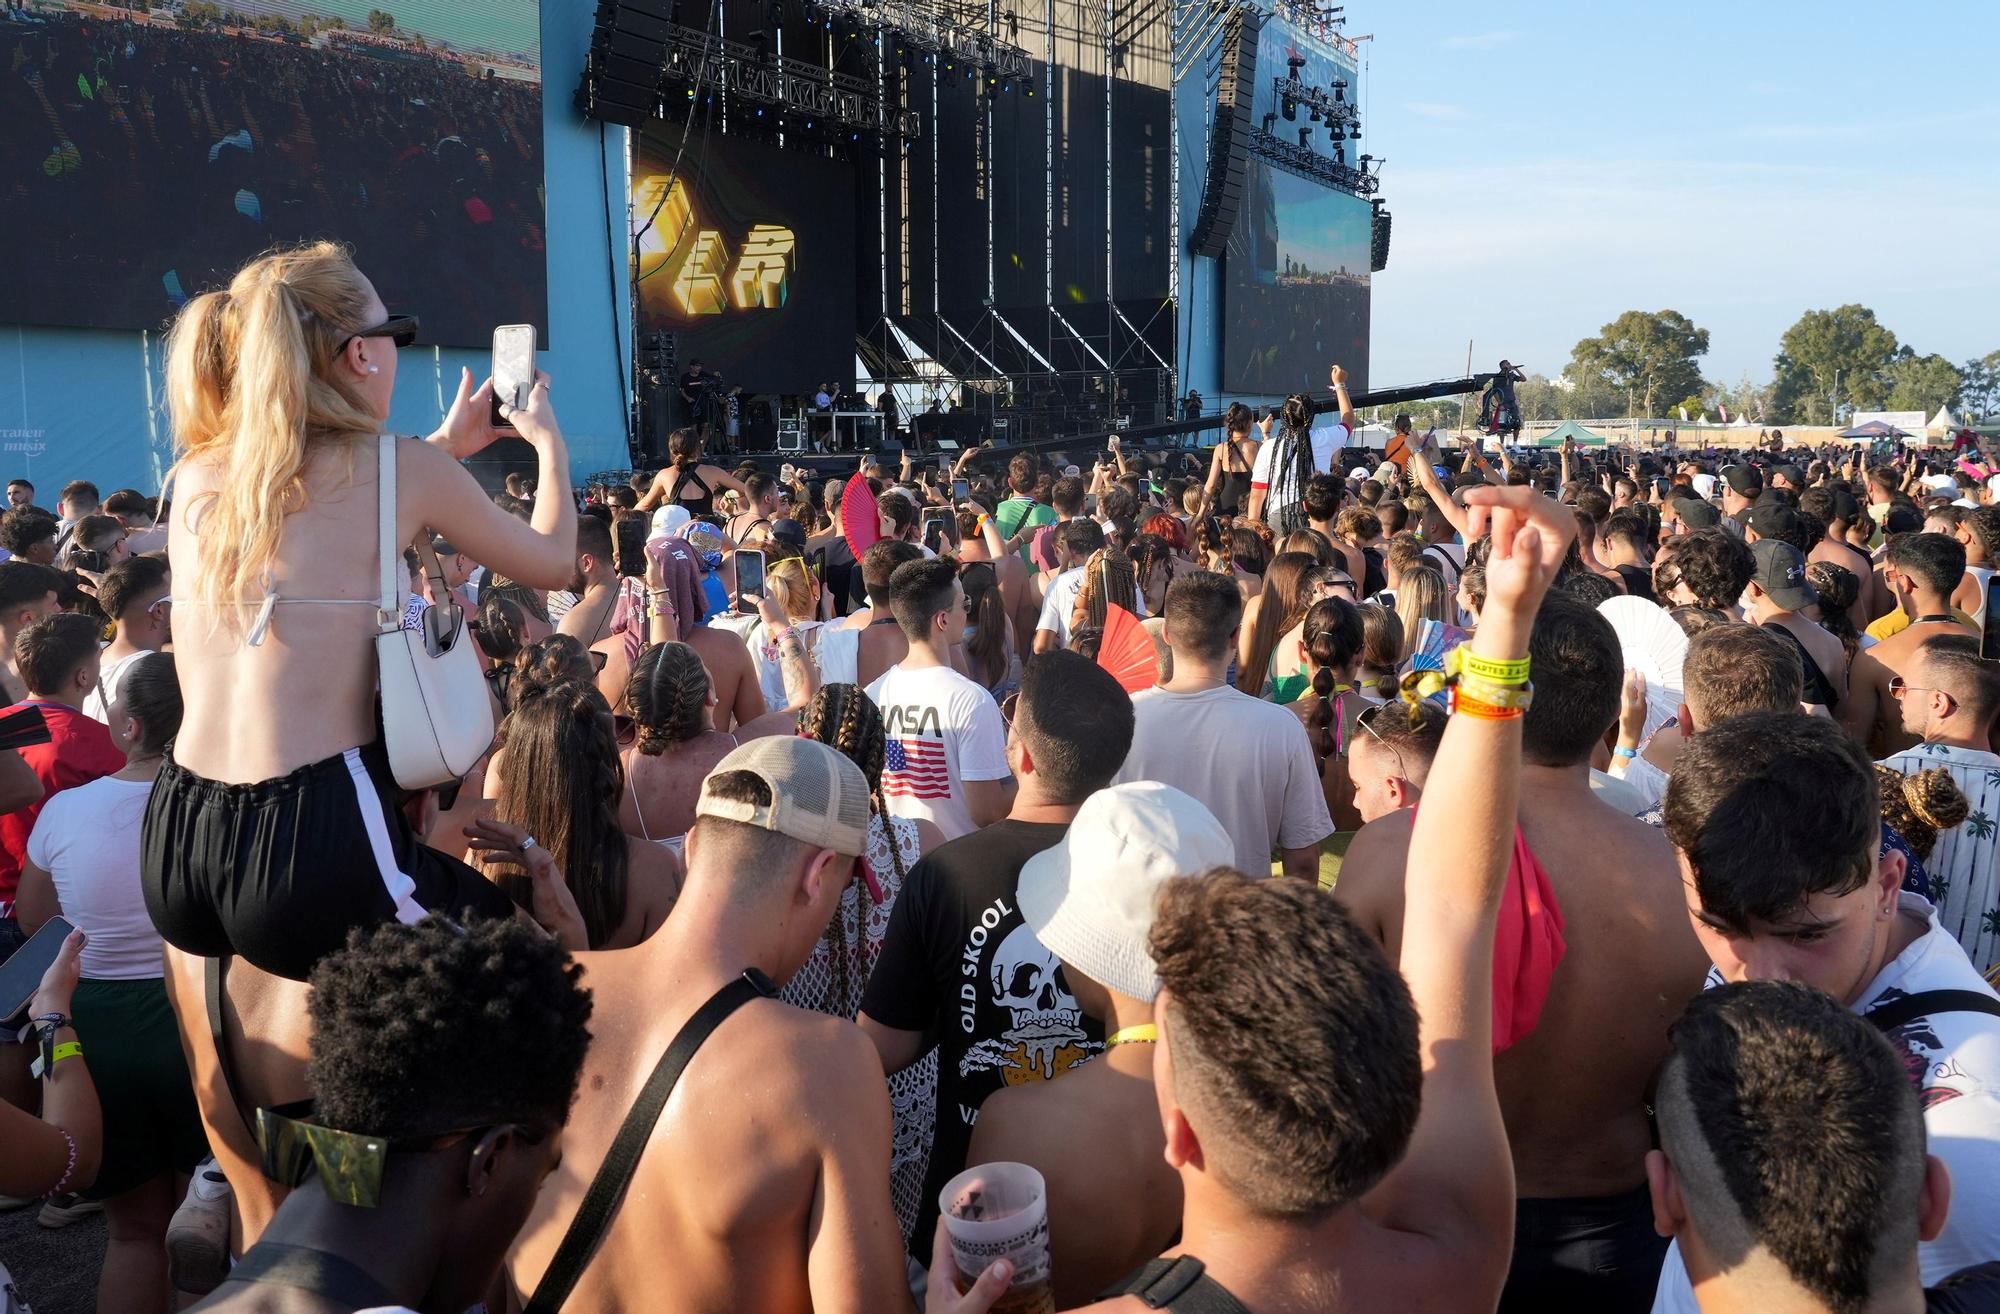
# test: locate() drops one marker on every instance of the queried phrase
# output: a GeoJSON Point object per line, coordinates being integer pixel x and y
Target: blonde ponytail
{"type": "Point", "coordinates": [252, 389]}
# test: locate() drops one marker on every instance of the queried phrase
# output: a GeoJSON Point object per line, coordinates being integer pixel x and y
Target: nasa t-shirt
{"type": "Point", "coordinates": [943, 730]}
{"type": "Point", "coordinates": [958, 961]}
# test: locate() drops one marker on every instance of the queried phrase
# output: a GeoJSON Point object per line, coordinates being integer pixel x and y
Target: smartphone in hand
{"type": "Point", "coordinates": [21, 975]}
{"type": "Point", "coordinates": [513, 368]}
{"type": "Point", "coordinates": [749, 580]}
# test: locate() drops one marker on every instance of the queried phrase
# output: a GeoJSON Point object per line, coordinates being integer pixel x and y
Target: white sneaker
{"type": "Point", "coordinates": [198, 1235]}
{"type": "Point", "coordinates": [62, 1210]}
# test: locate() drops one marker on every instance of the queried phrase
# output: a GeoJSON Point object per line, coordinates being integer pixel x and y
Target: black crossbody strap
{"type": "Point", "coordinates": [1179, 1286]}
{"type": "Point", "coordinates": [311, 1270]}
{"type": "Point", "coordinates": [607, 1189]}
{"type": "Point", "coordinates": [1926, 1003]}
{"type": "Point", "coordinates": [213, 974]}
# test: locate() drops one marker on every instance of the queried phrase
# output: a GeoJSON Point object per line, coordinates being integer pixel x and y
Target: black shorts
{"type": "Point", "coordinates": [280, 871]}
{"type": "Point", "coordinates": [1591, 1253]}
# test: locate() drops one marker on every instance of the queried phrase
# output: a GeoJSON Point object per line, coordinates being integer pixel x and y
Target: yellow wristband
{"type": "Point", "coordinates": [1493, 695]}
{"type": "Point", "coordinates": [68, 1049]}
{"type": "Point", "coordinates": [1462, 661]}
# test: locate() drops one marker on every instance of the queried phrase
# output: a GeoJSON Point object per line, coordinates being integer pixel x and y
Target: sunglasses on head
{"type": "Point", "coordinates": [290, 1147]}
{"type": "Point", "coordinates": [401, 328]}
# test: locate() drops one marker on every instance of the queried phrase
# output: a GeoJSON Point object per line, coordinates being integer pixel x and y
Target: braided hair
{"type": "Point", "coordinates": [1108, 578]}
{"type": "Point", "coordinates": [1334, 637]}
{"type": "Point", "coordinates": [1215, 543]}
{"type": "Point", "coordinates": [1291, 466]}
{"type": "Point", "coordinates": [1918, 806]}
{"type": "Point", "coordinates": [668, 695]}
{"type": "Point", "coordinates": [846, 719]}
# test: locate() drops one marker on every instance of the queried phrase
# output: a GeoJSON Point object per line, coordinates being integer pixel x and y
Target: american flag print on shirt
{"type": "Point", "coordinates": [915, 768]}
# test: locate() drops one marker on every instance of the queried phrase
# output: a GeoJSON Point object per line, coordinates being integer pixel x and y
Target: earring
{"type": "Point", "coordinates": [374, 369]}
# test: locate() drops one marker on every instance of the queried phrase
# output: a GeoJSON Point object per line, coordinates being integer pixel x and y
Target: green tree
{"type": "Point", "coordinates": [381, 20]}
{"type": "Point", "coordinates": [1923, 383]}
{"type": "Point", "coordinates": [1746, 398]}
{"type": "Point", "coordinates": [1846, 347]}
{"type": "Point", "coordinates": [1650, 354]}
{"type": "Point", "coordinates": [1591, 397]}
{"type": "Point", "coordinates": [1539, 399]}
{"type": "Point", "coordinates": [1980, 395]}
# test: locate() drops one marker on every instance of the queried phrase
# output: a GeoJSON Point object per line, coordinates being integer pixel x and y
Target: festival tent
{"type": "Point", "coordinates": [1943, 422]}
{"type": "Point", "coordinates": [1571, 429]}
{"type": "Point", "coordinates": [1873, 429]}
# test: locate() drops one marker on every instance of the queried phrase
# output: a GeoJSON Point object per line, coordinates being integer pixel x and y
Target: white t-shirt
{"type": "Point", "coordinates": [87, 839]}
{"type": "Point", "coordinates": [1248, 760]}
{"type": "Point", "coordinates": [103, 700]}
{"type": "Point", "coordinates": [1327, 440]}
{"type": "Point", "coordinates": [943, 730]}
{"type": "Point", "coordinates": [1958, 1055]}
{"type": "Point", "coordinates": [1059, 602]}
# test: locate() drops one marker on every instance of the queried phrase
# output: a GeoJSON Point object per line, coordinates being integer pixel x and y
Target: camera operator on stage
{"type": "Point", "coordinates": [702, 391]}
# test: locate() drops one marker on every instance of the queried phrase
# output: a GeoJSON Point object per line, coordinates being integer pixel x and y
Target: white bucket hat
{"type": "Point", "coordinates": [1090, 898]}
{"type": "Point", "coordinates": [668, 519]}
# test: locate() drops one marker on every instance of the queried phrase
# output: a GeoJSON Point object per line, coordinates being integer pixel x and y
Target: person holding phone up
{"type": "Point", "coordinates": [59, 1150]}
{"type": "Point", "coordinates": [274, 827]}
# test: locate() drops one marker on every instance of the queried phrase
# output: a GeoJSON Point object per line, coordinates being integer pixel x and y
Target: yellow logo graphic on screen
{"type": "Point", "coordinates": [695, 263]}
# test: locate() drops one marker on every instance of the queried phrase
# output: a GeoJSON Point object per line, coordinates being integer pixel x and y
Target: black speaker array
{"type": "Point", "coordinates": [1378, 235]}
{"type": "Point", "coordinates": [621, 79]}
{"type": "Point", "coordinates": [1229, 138]}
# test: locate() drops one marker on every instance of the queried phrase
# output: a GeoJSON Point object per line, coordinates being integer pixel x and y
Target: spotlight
{"type": "Point", "coordinates": [1290, 108]}
{"type": "Point", "coordinates": [1356, 133]}
{"type": "Point", "coordinates": [1304, 133]}
{"type": "Point", "coordinates": [1270, 121]}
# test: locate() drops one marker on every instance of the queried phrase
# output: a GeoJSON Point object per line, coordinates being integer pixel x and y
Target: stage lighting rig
{"type": "Point", "coordinates": [1329, 105]}
{"type": "Point", "coordinates": [1306, 163]}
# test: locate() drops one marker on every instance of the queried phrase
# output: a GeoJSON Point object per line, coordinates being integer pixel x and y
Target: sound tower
{"type": "Point", "coordinates": [1229, 137]}
{"type": "Point", "coordinates": [1378, 235]}
{"type": "Point", "coordinates": [621, 79]}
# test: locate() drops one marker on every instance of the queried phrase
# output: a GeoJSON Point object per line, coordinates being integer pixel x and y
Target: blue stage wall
{"type": "Point", "coordinates": [87, 404]}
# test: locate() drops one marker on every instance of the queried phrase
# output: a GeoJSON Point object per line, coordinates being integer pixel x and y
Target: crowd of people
{"type": "Point", "coordinates": [253, 137]}
{"type": "Point", "coordinates": [1485, 881]}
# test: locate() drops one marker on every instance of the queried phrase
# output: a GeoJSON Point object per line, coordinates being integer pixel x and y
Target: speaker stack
{"type": "Point", "coordinates": [1229, 139]}
{"type": "Point", "coordinates": [621, 78]}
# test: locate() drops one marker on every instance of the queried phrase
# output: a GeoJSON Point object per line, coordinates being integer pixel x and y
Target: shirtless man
{"type": "Point", "coordinates": [27, 594]}
{"type": "Point", "coordinates": [882, 642]}
{"type": "Point", "coordinates": [1574, 1089]}
{"type": "Point", "coordinates": [1114, 1202]}
{"type": "Point", "coordinates": [1346, 1196]}
{"type": "Point", "coordinates": [595, 584]}
{"type": "Point", "coordinates": [763, 1185]}
{"type": "Point", "coordinates": [1838, 510]}
{"type": "Point", "coordinates": [1921, 570]}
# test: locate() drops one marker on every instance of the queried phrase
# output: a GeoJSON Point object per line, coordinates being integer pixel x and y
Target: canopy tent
{"type": "Point", "coordinates": [1874, 429]}
{"type": "Point", "coordinates": [1943, 422]}
{"type": "Point", "coordinates": [1570, 429]}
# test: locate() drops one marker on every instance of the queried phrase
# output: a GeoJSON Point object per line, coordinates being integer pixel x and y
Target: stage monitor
{"type": "Point", "coordinates": [747, 254]}
{"type": "Point", "coordinates": [1295, 286]}
{"type": "Point", "coordinates": [150, 152]}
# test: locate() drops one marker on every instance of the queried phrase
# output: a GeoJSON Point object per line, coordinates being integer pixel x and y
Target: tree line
{"type": "Point", "coordinates": [1647, 364]}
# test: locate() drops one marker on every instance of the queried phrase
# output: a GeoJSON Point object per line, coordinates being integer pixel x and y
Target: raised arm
{"type": "Point", "coordinates": [1456, 1182]}
{"type": "Point", "coordinates": [437, 492]}
{"type": "Point", "coordinates": [1435, 490]}
{"type": "Point", "coordinates": [1339, 373]}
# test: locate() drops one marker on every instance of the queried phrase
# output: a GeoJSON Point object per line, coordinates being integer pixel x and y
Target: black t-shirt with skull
{"type": "Point", "coordinates": [959, 962]}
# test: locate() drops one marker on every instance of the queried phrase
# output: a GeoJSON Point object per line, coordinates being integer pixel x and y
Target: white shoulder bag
{"type": "Point", "coordinates": [437, 719]}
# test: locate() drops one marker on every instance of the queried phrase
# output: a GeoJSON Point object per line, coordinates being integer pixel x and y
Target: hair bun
{"type": "Point", "coordinates": [1935, 799]}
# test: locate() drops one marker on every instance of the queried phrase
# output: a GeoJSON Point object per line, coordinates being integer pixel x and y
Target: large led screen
{"type": "Point", "coordinates": [747, 255]}
{"type": "Point", "coordinates": [149, 150]}
{"type": "Point", "coordinates": [1295, 286]}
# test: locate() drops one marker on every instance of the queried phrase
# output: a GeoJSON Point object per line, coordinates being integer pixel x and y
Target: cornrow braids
{"type": "Point", "coordinates": [845, 719]}
{"type": "Point", "coordinates": [668, 695]}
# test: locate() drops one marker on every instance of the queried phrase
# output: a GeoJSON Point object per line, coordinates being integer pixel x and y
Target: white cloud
{"type": "Point", "coordinates": [1434, 109]}
{"type": "Point", "coordinates": [1478, 40]}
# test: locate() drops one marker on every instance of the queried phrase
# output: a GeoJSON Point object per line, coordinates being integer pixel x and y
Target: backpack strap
{"type": "Point", "coordinates": [1179, 1286]}
{"type": "Point", "coordinates": [614, 1175]}
{"type": "Point", "coordinates": [1926, 1003]}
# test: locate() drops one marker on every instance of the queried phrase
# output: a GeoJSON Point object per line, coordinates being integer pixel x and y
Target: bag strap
{"type": "Point", "coordinates": [1926, 1003]}
{"type": "Point", "coordinates": [391, 553]}
{"type": "Point", "coordinates": [385, 519]}
{"type": "Point", "coordinates": [614, 1175]}
{"type": "Point", "coordinates": [1180, 1286]}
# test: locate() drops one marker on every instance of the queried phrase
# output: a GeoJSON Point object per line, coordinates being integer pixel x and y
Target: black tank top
{"type": "Point", "coordinates": [1818, 689]}
{"type": "Point", "coordinates": [1232, 494]}
{"type": "Point", "coordinates": [697, 506]}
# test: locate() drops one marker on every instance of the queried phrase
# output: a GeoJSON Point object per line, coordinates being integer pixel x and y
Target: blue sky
{"type": "Point", "coordinates": [1551, 165]}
